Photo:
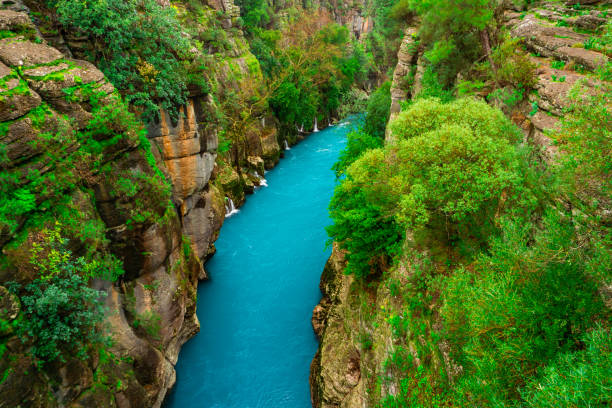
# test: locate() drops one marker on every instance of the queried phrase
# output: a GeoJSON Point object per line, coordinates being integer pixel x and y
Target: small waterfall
{"type": "Point", "coordinates": [230, 208]}
{"type": "Point", "coordinates": [262, 181]}
{"type": "Point", "coordinates": [316, 128]}
{"type": "Point", "coordinates": [301, 129]}
{"type": "Point", "coordinates": [287, 145]}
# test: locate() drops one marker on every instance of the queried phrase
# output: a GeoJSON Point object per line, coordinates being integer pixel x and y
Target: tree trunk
{"type": "Point", "coordinates": [486, 45]}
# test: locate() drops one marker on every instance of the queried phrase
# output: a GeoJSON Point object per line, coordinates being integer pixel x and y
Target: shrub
{"type": "Point", "coordinates": [60, 313]}
{"type": "Point", "coordinates": [377, 115]}
{"type": "Point", "coordinates": [514, 67]}
{"type": "Point", "coordinates": [516, 308]}
{"type": "Point", "coordinates": [576, 379]}
{"type": "Point", "coordinates": [450, 175]}
{"type": "Point", "coordinates": [585, 167]}
{"type": "Point", "coordinates": [138, 44]}
{"type": "Point", "coordinates": [430, 114]}
{"type": "Point", "coordinates": [357, 143]}
{"type": "Point", "coordinates": [370, 236]}
{"type": "Point", "coordinates": [451, 179]}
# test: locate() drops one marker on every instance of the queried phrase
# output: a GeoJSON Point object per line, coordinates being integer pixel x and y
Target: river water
{"type": "Point", "coordinates": [256, 341]}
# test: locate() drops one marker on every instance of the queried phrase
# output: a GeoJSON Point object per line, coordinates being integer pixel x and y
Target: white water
{"type": "Point", "coordinates": [287, 146]}
{"type": "Point", "coordinates": [262, 181]}
{"type": "Point", "coordinates": [230, 208]}
{"type": "Point", "coordinates": [316, 128]}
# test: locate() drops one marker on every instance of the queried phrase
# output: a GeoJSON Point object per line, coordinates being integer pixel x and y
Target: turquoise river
{"type": "Point", "coordinates": [256, 342]}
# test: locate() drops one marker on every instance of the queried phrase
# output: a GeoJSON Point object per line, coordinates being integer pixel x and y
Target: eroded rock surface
{"type": "Point", "coordinates": [45, 94]}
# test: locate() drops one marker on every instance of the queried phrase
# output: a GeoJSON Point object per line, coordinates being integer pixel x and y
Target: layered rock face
{"type": "Point", "coordinates": [403, 75]}
{"type": "Point", "coordinates": [160, 273]}
{"type": "Point", "coordinates": [189, 151]}
{"type": "Point", "coordinates": [561, 64]}
{"type": "Point", "coordinates": [351, 322]}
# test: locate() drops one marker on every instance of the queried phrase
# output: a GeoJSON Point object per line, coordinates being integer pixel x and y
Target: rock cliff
{"type": "Point", "coordinates": [152, 197]}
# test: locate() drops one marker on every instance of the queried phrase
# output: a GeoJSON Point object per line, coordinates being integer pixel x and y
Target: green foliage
{"type": "Point", "coordinates": [586, 168]}
{"type": "Point", "coordinates": [389, 22]}
{"type": "Point", "coordinates": [371, 135]}
{"type": "Point", "coordinates": [255, 14]}
{"type": "Point", "coordinates": [603, 42]}
{"type": "Point", "coordinates": [515, 309]}
{"type": "Point", "coordinates": [430, 114]}
{"type": "Point", "coordinates": [357, 143]}
{"type": "Point", "coordinates": [453, 171]}
{"type": "Point", "coordinates": [576, 379]}
{"type": "Point", "coordinates": [138, 46]}
{"type": "Point", "coordinates": [60, 313]}
{"type": "Point", "coordinates": [450, 29]}
{"type": "Point", "coordinates": [452, 180]}
{"type": "Point", "coordinates": [28, 199]}
{"type": "Point", "coordinates": [507, 97]}
{"type": "Point", "coordinates": [149, 321]}
{"type": "Point", "coordinates": [379, 106]}
{"type": "Point", "coordinates": [432, 87]}
{"type": "Point", "coordinates": [514, 67]}
{"type": "Point", "coordinates": [51, 258]}
{"type": "Point", "coordinates": [370, 236]}
{"type": "Point", "coordinates": [557, 64]}
{"type": "Point", "coordinates": [311, 72]}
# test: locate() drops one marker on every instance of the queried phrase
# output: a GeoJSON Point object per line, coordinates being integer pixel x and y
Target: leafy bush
{"type": "Point", "coordinates": [451, 182]}
{"type": "Point", "coordinates": [379, 106]}
{"type": "Point", "coordinates": [586, 168]}
{"type": "Point", "coordinates": [515, 309]}
{"type": "Point", "coordinates": [451, 29]}
{"type": "Point", "coordinates": [60, 313]}
{"type": "Point", "coordinates": [138, 44]}
{"type": "Point", "coordinates": [576, 379]}
{"type": "Point", "coordinates": [514, 67]}
{"type": "Point", "coordinates": [430, 114]}
{"type": "Point", "coordinates": [452, 173]}
{"type": "Point", "coordinates": [357, 143]}
{"type": "Point", "coordinates": [370, 236]}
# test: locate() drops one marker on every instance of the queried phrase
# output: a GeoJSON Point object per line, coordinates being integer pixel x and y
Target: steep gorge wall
{"type": "Point", "coordinates": [151, 308]}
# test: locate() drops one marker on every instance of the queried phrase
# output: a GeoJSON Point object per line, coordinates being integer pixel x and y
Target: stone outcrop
{"type": "Point", "coordinates": [561, 61]}
{"type": "Point", "coordinates": [557, 42]}
{"type": "Point", "coordinates": [151, 312]}
{"type": "Point", "coordinates": [403, 75]}
{"type": "Point", "coordinates": [335, 370]}
{"type": "Point", "coordinates": [352, 324]}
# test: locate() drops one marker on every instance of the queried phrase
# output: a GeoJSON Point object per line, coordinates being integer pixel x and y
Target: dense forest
{"type": "Point", "coordinates": [471, 223]}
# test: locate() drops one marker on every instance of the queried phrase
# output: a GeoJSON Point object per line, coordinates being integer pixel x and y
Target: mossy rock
{"type": "Point", "coordinates": [9, 310]}
{"type": "Point", "coordinates": [231, 183]}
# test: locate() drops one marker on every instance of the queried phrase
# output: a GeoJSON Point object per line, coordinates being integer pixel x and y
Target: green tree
{"type": "Point", "coordinates": [456, 32]}
{"type": "Point", "coordinates": [61, 314]}
{"type": "Point", "coordinates": [139, 46]}
{"type": "Point", "coordinates": [379, 106]}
